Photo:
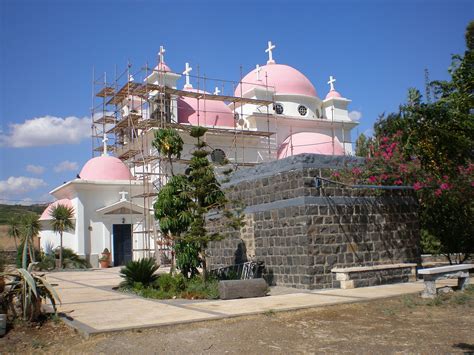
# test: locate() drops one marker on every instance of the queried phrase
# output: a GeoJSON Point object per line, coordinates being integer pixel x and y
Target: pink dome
{"type": "Point", "coordinates": [105, 168]}
{"type": "Point", "coordinates": [163, 67]}
{"type": "Point", "coordinates": [309, 142]}
{"type": "Point", "coordinates": [333, 94]}
{"type": "Point", "coordinates": [46, 215]}
{"type": "Point", "coordinates": [211, 112]}
{"type": "Point", "coordinates": [285, 80]}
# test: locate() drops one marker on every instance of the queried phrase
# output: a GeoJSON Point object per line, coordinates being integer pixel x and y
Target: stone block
{"type": "Point", "coordinates": [232, 289]}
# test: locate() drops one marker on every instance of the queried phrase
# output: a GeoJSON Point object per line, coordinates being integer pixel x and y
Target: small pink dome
{"type": "Point", "coordinates": [309, 142]}
{"type": "Point", "coordinates": [46, 215]}
{"type": "Point", "coordinates": [333, 94]}
{"type": "Point", "coordinates": [163, 67]}
{"type": "Point", "coordinates": [211, 112]}
{"type": "Point", "coordinates": [105, 168]}
{"type": "Point", "coordinates": [285, 80]}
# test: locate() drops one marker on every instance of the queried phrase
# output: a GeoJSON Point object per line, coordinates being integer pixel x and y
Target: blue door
{"type": "Point", "coordinates": [122, 243]}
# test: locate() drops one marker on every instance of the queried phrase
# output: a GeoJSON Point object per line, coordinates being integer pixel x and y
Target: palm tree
{"type": "Point", "coordinates": [14, 229]}
{"type": "Point", "coordinates": [30, 229]}
{"type": "Point", "coordinates": [62, 221]}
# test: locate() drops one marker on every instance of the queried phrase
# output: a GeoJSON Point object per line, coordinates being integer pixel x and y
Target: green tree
{"type": "Point", "coordinates": [440, 135]}
{"type": "Point", "coordinates": [30, 227]}
{"type": "Point", "coordinates": [362, 146]}
{"type": "Point", "coordinates": [62, 221]}
{"type": "Point", "coordinates": [14, 229]}
{"type": "Point", "coordinates": [169, 143]}
{"type": "Point", "coordinates": [184, 202]}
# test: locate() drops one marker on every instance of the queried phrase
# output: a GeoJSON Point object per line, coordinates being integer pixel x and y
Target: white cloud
{"type": "Point", "coordinates": [355, 115]}
{"type": "Point", "coordinates": [35, 169]}
{"type": "Point", "coordinates": [17, 185]}
{"type": "Point", "coordinates": [66, 166]}
{"type": "Point", "coordinates": [46, 130]}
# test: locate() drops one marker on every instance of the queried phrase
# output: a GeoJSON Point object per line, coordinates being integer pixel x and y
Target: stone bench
{"type": "Point", "coordinates": [231, 289]}
{"type": "Point", "coordinates": [363, 276]}
{"type": "Point", "coordinates": [431, 275]}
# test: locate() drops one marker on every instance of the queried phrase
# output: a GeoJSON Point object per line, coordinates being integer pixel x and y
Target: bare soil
{"type": "Point", "coordinates": [403, 324]}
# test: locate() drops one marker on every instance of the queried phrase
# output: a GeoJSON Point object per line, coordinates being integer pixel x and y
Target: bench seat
{"type": "Point", "coordinates": [363, 276]}
{"type": "Point", "coordinates": [431, 275]}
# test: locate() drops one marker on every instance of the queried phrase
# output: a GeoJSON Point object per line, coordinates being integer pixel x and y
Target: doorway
{"type": "Point", "coordinates": [122, 243]}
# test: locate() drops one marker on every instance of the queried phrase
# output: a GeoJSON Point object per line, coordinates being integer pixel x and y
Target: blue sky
{"type": "Point", "coordinates": [375, 49]}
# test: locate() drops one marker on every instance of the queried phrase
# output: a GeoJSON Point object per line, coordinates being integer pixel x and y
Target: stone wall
{"type": "Point", "coordinates": [301, 231]}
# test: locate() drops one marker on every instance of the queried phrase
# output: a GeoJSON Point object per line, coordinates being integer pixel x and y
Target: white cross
{"type": "Point", "coordinates": [269, 51]}
{"type": "Point", "coordinates": [131, 78]}
{"type": "Point", "coordinates": [186, 72]}
{"type": "Point", "coordinates": [257, 69]}
{"type": "Point", "coordinates": [217, 91]}
{"type": "Point", "coordinates": [161, 54]}
{"type": "Point", "coordinates": [123, 195]}
{"type": "Point", "coordinates": [104, 141]}
{"type": "Point", "coordinates": [331, 82]}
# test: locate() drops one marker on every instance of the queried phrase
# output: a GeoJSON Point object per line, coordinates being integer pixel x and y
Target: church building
{"type": "Point", "coordinates": [271, 113]}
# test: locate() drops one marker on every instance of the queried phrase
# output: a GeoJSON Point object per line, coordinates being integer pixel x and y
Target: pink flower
{"type": "Point", "coordinates": [336, 174]}
{"type": "Point", "coordinates": [384, 139]}
{"type": "Point", "coordinates": [438, 192]}
{"type": "Point", "coordinates": [417, 186]}
{"type": "Point", "coordinates": [372, 179]}
{"type": "Point", "coordinates": [444, 186]}
{"type": "Point", "coordinates": [356, 171]}
{"type": "Point", "coordinates": [398, 182]}
{"type": "Point", "coordinates": [384, 177]}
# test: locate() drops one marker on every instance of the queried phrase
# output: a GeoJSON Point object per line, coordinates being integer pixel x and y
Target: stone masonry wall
{"type": "Point", "coordinates": [301, 232]}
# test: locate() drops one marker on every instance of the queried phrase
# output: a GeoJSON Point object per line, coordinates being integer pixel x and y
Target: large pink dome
{"type": "Point", "coordinates": [309, 142]}
{"type": "Point", "coordinates": [46, 215]}
{"type": "Point", "coordinates": [211, 112]}
{"type": "Point", "coordinates": [105, 168]}
{"type": "Point", "coordinates": [285, 80]}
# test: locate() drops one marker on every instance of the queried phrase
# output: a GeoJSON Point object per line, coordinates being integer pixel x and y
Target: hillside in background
{"type": "Point", "coordinates": [8, 211]}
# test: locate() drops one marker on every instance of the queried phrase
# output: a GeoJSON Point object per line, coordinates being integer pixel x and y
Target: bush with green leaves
{"type": "Point", "coordinates": [142, 271]}
{"type": "Point", "coordinates": [25, 292]}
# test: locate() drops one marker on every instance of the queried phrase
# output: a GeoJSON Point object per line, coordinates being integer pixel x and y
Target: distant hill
{"type": "Point", "coordinates": [8, 211]}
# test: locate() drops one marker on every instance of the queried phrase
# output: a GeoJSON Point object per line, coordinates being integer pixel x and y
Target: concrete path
{"type": "Point", "coordinates": [92, 307]}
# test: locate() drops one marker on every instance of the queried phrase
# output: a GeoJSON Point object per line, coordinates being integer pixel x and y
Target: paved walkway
{"type": "Point", "coordinates": [92, 306]}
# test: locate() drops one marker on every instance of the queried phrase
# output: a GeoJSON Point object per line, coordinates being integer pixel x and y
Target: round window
{"type": "Point", "coordinates": [236, 116]}
{"type": "Point", "coordinates": [302, 110]}
{"type": "Point", "coordinates": [278, 109]}
{"type": "Point", "coordinates": [218, 156]}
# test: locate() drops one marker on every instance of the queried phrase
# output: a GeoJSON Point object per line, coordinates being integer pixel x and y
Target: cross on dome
{"type": "Point", "coordinates": [104, 141]}
{"type": "Point", "coordinates": [217, 91]}
{"type": "Point", "coordinates": [123, 195]}
{"type": "Point", "coordinates": [186, 72]}
{"type": "Point", "coordinates": [161, 54]}
{"type": "Point", "coordinates": [257, 69]}
{"type": "Point", "coordinates": [331, 82]}
{"type": "Point", "coordinates": [270, 54]}
{"type": "Point", "coordinates": [130, 78]}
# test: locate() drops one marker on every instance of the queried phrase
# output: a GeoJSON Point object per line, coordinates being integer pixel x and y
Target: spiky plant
{"type": "Point", "coordinates": [141, 271]}
{"type": "Point", "coordinates": [62, 221]}
{"type": "Point", "coordinates": [14, 230]}
{"type": "Point", "coordinates": [30, 227]}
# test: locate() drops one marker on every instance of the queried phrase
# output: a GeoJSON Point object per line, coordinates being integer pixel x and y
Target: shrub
{"type": "Point", "coordinates": [170, 283]}
{"type": "Point", "coordinates": [71, 260]}
{"type": "Point", "coordinates": [142, 271]}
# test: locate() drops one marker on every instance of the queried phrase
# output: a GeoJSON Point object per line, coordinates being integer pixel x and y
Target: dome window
{"type": "Point", "coordinates": [278, 109]}
{"type": "Point", "coordinates": [218, 156]}
{"type": "Point", "coordinates": [302, 110]}
{"type": "Point", "coordinates": [236, 116]}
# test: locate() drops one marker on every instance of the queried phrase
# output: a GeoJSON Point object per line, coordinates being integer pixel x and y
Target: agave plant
{"type": "Point", "coordinates": [25, 292]}
{"type": "Point", "coordinates": [140, 271]}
